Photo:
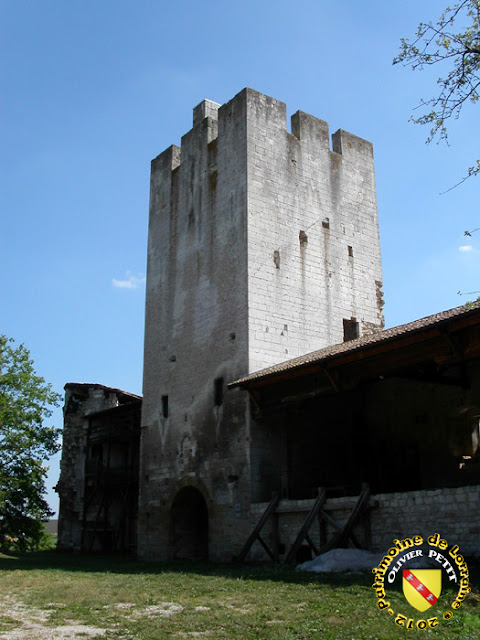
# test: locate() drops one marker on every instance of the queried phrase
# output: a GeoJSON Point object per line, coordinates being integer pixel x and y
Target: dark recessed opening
{"type": "Point", "coordinates": [189, 526]}
{"type": "Point", "coordinates": [350, 251]}
{"type": "Point", "coordinates": [304, 554]}
{"type": "Point", "coordinates": [218, 392]}
{"type": "Point", "coordinates": [350, 329]}
{"type": "Point", "coordinates": [165, 406]}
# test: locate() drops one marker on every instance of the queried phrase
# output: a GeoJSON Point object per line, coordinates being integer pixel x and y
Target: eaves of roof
{"type": "Point", "coordinates": [388, 339]}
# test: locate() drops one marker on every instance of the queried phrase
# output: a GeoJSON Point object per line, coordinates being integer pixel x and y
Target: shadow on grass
{"type": "Point", "coordinates": [121, 564]}
{"type": "Point", "coordinates": [128, 565]}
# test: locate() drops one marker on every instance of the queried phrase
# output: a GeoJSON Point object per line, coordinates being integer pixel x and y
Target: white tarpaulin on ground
{"type": "Point", "coordinates": [342, 560]}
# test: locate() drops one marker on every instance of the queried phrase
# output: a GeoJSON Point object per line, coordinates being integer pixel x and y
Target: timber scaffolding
{"type": "Point", "coordinates": [110, 507]}
{"type": "Point", "coordinates": [318, 511]}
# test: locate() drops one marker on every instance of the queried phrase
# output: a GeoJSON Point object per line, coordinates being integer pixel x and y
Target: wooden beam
{"type": "Point", "coordinates": [318, 504]}
{"type": "Point", "coordinates": [255, 535]}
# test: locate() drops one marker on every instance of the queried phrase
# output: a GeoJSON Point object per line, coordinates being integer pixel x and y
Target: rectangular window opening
{"type": "Point", "coordinates": [350, 329]}
{"type": "Point", "coordinates": [218, 392]}
{"type": "Point", "coordinates": [165, 406]}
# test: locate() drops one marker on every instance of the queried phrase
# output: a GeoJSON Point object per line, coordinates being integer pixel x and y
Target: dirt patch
{"type": "Point", "coordinates": [29, 623]}
{"type": "Point", "coordinates": [163, 609]}
{"type": "Point", "coordinates": [21, 622]}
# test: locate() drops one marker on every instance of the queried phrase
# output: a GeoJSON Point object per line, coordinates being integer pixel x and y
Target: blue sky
{"type": "Point", "coordinates": [92, 90]}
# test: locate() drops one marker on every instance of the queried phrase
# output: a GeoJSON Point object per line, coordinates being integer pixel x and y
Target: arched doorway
{"type": "Point", "coordinates": [189, 525]}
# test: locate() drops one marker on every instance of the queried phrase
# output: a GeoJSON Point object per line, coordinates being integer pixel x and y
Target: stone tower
{"type": "Point", "coordinates": [263, 245]}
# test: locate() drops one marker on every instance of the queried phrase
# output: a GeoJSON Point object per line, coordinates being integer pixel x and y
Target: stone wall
{"type": "Point", "coordinates": [313, 242]}
{"type": "Point", "coordinates": [81, 401]}
{"type": "Point", "coordinates": [194, 432]}
{"type": "Point", "coordinates": [454, 513]}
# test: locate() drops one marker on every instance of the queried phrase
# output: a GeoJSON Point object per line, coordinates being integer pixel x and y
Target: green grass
{"type": "Point", "coordinates": [141, 601]}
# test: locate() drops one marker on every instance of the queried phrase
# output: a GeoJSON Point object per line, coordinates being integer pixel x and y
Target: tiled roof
{"type": "Point", "coordinates": [362, 343]}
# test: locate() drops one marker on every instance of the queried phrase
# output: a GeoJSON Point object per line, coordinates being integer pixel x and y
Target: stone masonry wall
{"type": "Point", "coordinates": [81, 400]}
{"type": "Point", "coordinates": [196, 332]}
{"type": "Point", "coordinates": [313, 241]}
{"type": "Point", "coordinates": [454, 513]}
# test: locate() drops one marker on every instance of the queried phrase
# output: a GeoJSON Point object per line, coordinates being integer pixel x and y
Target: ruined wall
{"type": "Point", "coordinates": [110, 510]}
{"type": "Point", "coordinates": [313, 242]}
{"type": "Point", "coordinates": [260, 243]}
{"type": "Point", "coordinates": [81, 400]}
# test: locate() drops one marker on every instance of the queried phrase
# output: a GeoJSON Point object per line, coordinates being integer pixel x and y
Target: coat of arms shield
{"type": "Point", "coordinates": [422, 587]}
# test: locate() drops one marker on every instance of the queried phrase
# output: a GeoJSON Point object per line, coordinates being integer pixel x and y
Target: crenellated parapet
{"type": "Point", "coordinates": [309, 130]}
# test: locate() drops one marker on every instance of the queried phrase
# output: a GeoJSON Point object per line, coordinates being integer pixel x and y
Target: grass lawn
{"type": "Point", "coordinates": [52, 596]}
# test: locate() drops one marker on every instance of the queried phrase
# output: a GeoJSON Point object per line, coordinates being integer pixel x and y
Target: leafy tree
{"type": "Point", "coordinates": [452, 43]}
{"type": "Point", "coordinates": [25, 444]}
